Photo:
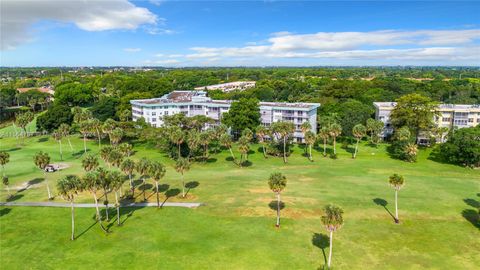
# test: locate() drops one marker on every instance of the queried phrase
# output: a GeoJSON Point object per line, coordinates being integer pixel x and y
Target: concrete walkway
{"type": "Point", "coordinates": [91, 205]}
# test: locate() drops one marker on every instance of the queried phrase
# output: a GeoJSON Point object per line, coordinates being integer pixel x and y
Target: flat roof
{"type": "Point", "coordinates": [440, 106]}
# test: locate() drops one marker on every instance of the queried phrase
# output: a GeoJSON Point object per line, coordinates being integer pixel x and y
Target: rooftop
{"type": "Point", "coordinates": [440, 106]}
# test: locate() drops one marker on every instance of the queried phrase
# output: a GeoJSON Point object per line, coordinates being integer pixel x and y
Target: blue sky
{"type": "Point", "coordinates": [238, 33]}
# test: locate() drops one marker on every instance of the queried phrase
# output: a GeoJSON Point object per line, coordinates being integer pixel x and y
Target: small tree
{"type": "Point", "coordinates": [243, 147]}
{"type": "Point", "coordinates": [226, 141]}
{"type": "Point", "coordinates": [116, 136]}
{"type": "Point", "coordinates": [324, 134]}
{"type": "Point", "coordinates": [85, 128]}
{"type": "Point", "coordinates": [181, 166]}
{"type": "Point", "coordinates": [127, 167]}
{"type": "Point", "coordinates": [374, 127]}
{"type": "Point", "coordinates": [41, 160]}
{"type": "Point", "coordinates": [68, 187]}
{"type": "Point", "coordinates": [332, 220]}
{"type": "Point", "coordinates": [6, 183]}
{"type": "Point", "coordinates": [4, 159]}
{"type": "Point", "coordinates": [116, 182]}
{"type": "Point", "coordinates": [193, 141]}
{"type": "Point", "coordinates": [157, 172]}
{"type": "Point", "coordinates": [262, 133]}
{"type": "Point", "coordinates": [22, 121]}
{"type": "Point", "coordinates": [177, 137]}
{"type": "Point", "coordinates": [106, 186]}
{"type": "Point", "coordinates": [92, 183]}
{"type": "Point", "coordinates": [397, 182]}
{"type": "Point", "coordinates": [126, 149]}
{"type": "Point", "coordinates": [142, 167]}
{"type": "Point", "coordinates": [334, 131]}
{"type": "Point", "coordinates": [58, 137]}
{"type": "Point", "coordinates": [310, 140]}
{"type": "Point", "coordinates": [277, 183]}
{"type": "Point", "coordinates": [89, 163]}
{"type": "Point", "coordinates": [106, 154]}
{"type": "Point", "coordinates": [96, 126]}
{"type": "Point", "coordinates": [65, 130]}
{"type": "Point", "coordinates": [205, 139]}
{"type": "Point", "coordinates": [359, 131]}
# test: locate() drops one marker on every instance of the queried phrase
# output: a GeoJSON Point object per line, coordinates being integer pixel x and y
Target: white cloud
{"type": "Point", "coordinates": [18, 16]}
{"type": "Point", "coordinates": [132, 50]}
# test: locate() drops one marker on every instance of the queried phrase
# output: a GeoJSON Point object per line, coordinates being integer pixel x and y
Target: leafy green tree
{"type": "Point", "coordinates": [277, 183]}
{"type": "Point", "coordinates": [4, 159]}
{"type": "Point", "coordinates": [397, 182]}
{"type": "Point", "coordinates": [105, 108]}
{"type": "Point", "coordinates": [226, 141]}
{"type": "Point", "coordinates": [177, 137]}
{"type": "Point", "coordinates": [359, 131]}
{"type": "Point", "coordinates": [115, 158]}
{"type": "Point", "coordinates": [157, 172]}
{"type": "Point", "coordinates": [41, 160]}
{"type": "Point", "coordinates": [106, 155]}
{"type": "Point", "coordinates": [116, 136]}
{"type": "Point", "coordinates": [68, 187]}
{"type": "Point", "coordinates": [54, 117]}
{"type": "Point", "coordinates": [374, 127]}
{"type": "Point", "coordinates": [332, 220]}
{"type": "Point", "coordinates": [462, 147]}
{"type": "Point", "coordinates": [324, 134]}
{"type": "Point", "coordinates": [126, 149]}
{"type": "Point", "coordinates": [416, 112]}
{"type": "Point", "coordinates": [142, 167]}
{"type": "Point", "coordinates": [243, 147]}
{"type": "Point", "coordinates": [402, 146]}
{"type": "Point", "coordinates": [90, 162]}
{"type": "Point", "coordinates": [127, 167]}
{"type": "Point", "coordinates": [116, 183]}
{"type": "Point", "coordinates": [352, 112]}
{"type": "Point", "coordinates": [92, 183]}
{"type": "Point", "coordinates": [310, 139]}
{"type": "Point", "coordinates": [108, 126]}
{"type": "Point", "coordinates": [243, 114]}
{"type": "Point", "coordinates": [247, 133]}
{"type": "Point", "coordinates": [181, 166]}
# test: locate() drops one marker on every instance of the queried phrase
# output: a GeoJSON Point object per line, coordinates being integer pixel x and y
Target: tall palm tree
{"type": "Point", "coordinates": [243, 147]}
{"type": "Point", "coordinates": [205, 139]}
{"type": "Point", "coordinates": [305, 126]}
{"type": "Point", "coordinates": [4, 159]}
{"type": "Point", "coordinates": [324, 134]}
{"type": "Point", "coordinates": [41, 160]}
{"type": "Point", "coordinates": [334, 131]}
{"type": "Point", "coordinates": [115, 158]}
{"type": "Point", "coordinates": [193, 141]}
{"type": "Point", "coordinates": [116, 135]}
{"type": "Point", "coordinates": [157, 172]}
{"type": "Point", "coordinates": [226, 141]}
{"type": "Point", "coordinates": [85, 128]}
{"type": "Point", "coordinates": [283, 130]}
{"type": "Point", "coordinates": [116, 182]}
{"type": "Point", "coordinates": [397, 182]}
{"type": "Point", "coordinates": [177, 137]}
{"type": "Point", "coordinates": [108, 126]}
{"type": "Point", "coordinates": [105, 154]}
{"type": "Point", "coordinates": [65, 130]}
{"type": "Point", "coordinates": [126, 149]}
{"type": "Point", "coordinates": [218, 131]}
{"type": "Point", "coordinates": [106, 186]}
{"type": "Point", "coordinates": [262, 132]}
{"type": "Point", "coordinates": [127, 167]}
{"type": "Point", "coordinates": [277, 183]}
{"type": "Point", "coordinates": [181, 166]}
{"type": "Point", "coordinates": [310, 139]}
{"type": "Point", "coordinates": [359, 131]}
{"type": "Point", "coordinates": [92, 183]}
{"type": "Point", "coordinates": [68, 187]}
{"type": "Point", "coordinates": [247, 133]}
{"type": "Point", "coordinates": [332, 220]}
{"type": "Point", "coordinates": [58, 137]}
{"type": "Point", "coordinates": [90, 163]}
{"type": "Point", "coordinates": [96, 126]}
{"type": "Point", "coordinates": [142, 167]}
{"type": "Point", "coordinates": [22, 121]}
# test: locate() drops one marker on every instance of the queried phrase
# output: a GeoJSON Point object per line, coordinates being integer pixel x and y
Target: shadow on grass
{"type": "Point", "coordinates": [43, 139]}
{"type": "Point", "coordinates": [86, 230]}
{"type": "Point", "coordinates": [211, 160]}
{"type": "Point", "coordinates": [321, 241]}
{"type": "Point", "coordinates": [273, 205]}
{"type": "Point", "coordinates": [5, 211]}
{"type": "Point", "coordinates": [191, 185]}
{"type": "Point", "coordinates": [170, 193]}
{"type": "Point", "coordinates": [383, 203]}
{"type": "Point", "coordinates": [247, 163]}
{"type": "Point", "coordinates": [80, 153]}
{"type": "Point", "coordinates": [472, 215]}
{"type": "Point", "coordinates": [14, 149]}
{"type": "Point", "coordinates": [14, 197]}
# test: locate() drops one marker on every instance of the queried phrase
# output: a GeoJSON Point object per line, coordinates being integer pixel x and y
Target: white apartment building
{"type": "Point", "coordinates": [228, 87]}
{"type": "Point", "coordinates": [192, 103]}
{"type": "Point", "coordinates": [450, 115]}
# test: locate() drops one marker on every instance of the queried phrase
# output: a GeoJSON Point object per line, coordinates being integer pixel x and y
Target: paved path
{"type": "Point", "coordinates": [91, 205]}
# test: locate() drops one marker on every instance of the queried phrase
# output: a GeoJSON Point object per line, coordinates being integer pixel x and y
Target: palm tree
{"type": "Point", "coordinates": [65, 130]}
{"type": "Point", "coordinates": [305, 126]}
{"type": "Point", "coordinates": [116, 135]}
{"type": "Point", "coordinates": [397, 182]}
{"type": "Point", "coordinates": [334, 131]}
{"type": "Point", "coordinates": [247, 133]}
{"type": "Point", "coordinates": [85, 128]}
{"type": "Point", "coordinates": [108, 126]}
{"type": "Point", "coordinates": [193, 141]}
{"type": "Point", "coordinates": [157, 171]}
{"type": "Point", "coordinates": [41, 160]}
{"type": "Point", "coordinates": [226, 141]}
{"type": "Point", "coordinates": [92, 183]}
{"type": "Point", "coordinates": [6, 183]}
{"type": "Point", "coordinates": [115, 158]}
{"type": "Point", "coordinates": [177, 137]}
{"type": "Point", "coordinates": [310, 140]}
{"type": "Point", "coordinates": [89, 163]}
{"type": "Point", "coordinates": [262, 132]}
{"type": "Point", "coordinates": [205, 138]}
{"type": "Point", "coordinates": [332, 220]}
{"type": "Point", "coordinates": [359, 131]}
{"type": "Point", "coordinates": [283, 130]}
{"type": "Point", "coordinates": [4, 159]}
{"type": "Point", "coordinates": [218, 131]}
{"type": "Point", "coordinates": [127, 167]}
{"type": "Point", "coordinates": [105, 154]}
{"type": "Point", "coordinates": [116, 182]}
{"type": "Point", "coordinates": [95, 126]}
{"type": "Point", "coordinates": [243, 147]}
{"type": "Point", "coordinates": [142, 167]}
{"type": "Point", "coordinates": [106, 186]}
{"type": "Point", "coordinates": [22, 121]}
{"type": "Point", "coordinates": [58, 137]}
{"type": "Point", "coordinates": [126, 149]}
{"type": "Point", "coordinates": [68, 187]}
{"type": "Point", "coordinates": [277, 183]}
{"type": "Point", "coordinates": [324, 134]}
{"type": "Point", "coordinates": [182, 166]}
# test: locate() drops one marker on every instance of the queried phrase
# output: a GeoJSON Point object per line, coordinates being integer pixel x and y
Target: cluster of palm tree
{"type": "Point", "coordinates": [22, 120]}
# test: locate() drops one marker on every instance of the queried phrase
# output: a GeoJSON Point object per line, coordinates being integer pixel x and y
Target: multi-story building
{"type": "Point", "coordinates": [192, 103]}
{"type": "Point", "coordinates": [228, 87]}
{"type": "Point", "coordinates": [449, 115]}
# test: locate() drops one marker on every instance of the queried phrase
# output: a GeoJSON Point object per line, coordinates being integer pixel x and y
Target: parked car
{"type": "Point", "coordinates": [51, 168]}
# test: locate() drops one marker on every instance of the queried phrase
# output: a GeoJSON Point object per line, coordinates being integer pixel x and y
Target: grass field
{"type": "Point", "coordinates": [235, 228]}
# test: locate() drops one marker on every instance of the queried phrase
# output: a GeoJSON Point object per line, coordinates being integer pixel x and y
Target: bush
{"type": "Point", "coordinates": [54, 117]}
{"type": "Point", "coordinates": [462, 147]}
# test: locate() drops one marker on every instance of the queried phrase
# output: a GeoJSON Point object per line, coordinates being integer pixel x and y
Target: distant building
{"type": "Point", "coordinates": [450, 115]}
{"type": "Point", "coordinates": [228, 87]}
{"type": "Point", "coordinates": [192, 103]}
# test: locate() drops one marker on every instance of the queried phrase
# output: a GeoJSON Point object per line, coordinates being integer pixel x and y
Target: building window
{"type": "Point", "coordinates": [154, 113]}
{"type": "Point", "coordinates": [166, 113]}
{"type": "Point", "coordinates": [470, 120]}
{"type": "Point", "coordinates": [446, 119]}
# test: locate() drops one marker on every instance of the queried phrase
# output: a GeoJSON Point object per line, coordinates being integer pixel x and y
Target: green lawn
{"type": "Point", "coordinates": [235, 229]}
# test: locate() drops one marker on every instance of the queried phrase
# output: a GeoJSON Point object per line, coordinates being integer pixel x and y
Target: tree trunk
{"type": "Point", "coordinates": [231, 153]}
{"type": "Point", "coordinates": [264, 151]}
{"type": "Point", "coordinates": [144, 189]}
{"type": "Point", "coordinates": [396, 206]}
{"type": "Point", "coordinates": [131, 185]}
{"type": "Point", "coordinates": [158, 199]}
{"type": "Point", "coordinates": [310, 151]}
{"type": "Point", "coordinates": [334, 145]}
{"type": "Point", "coordinates": [73, 220]}
{"type": "Point", "coordinates": [278, 209]}
{"type": "Point", "coordinates": [183, 187]}
{"type": "Point", "coordinates": [179, 154]}
{"type": "Point", "coordinates": [85, 143]}
{"type": "Point", "coordinates": [99, 216]}
{"type": "Point", "coordinates": [46, 183]}
{"type": "Point", "coordinates": [284, 149]}
{"type": "Point", "coordinates": [61, 153]}
{"type": "Point", "coordinates": [118, 208]}
{"type": "Point", "coordinates": [8, 191]}
{"type": "Point", "coordinates": [106, 204]}
{"type": "Point", "coordinates": [99, 139]}
{"type": "Point", "coordinates": [324, 147]}
{"type": "Point", "coordinates": [70, 144]}
{"type": "Point", "coordinates": [330, 251]}
{"type": "Point", "coordinates": [356, 149]}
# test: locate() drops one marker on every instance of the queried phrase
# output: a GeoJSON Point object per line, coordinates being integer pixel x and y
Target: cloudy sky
{"type": "Point", "coordinates": [238, 33]}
